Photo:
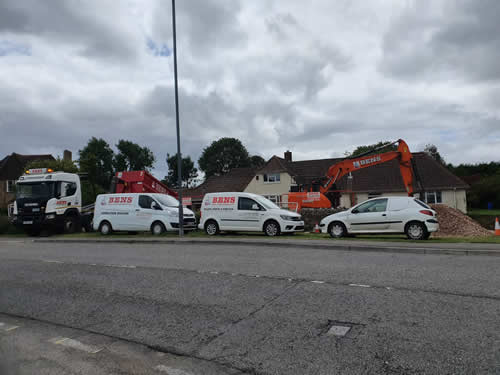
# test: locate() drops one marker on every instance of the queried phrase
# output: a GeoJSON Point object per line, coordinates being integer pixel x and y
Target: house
{"type": "Point", "coordinates": [11, 167]}
{"type": "Point", "coordinates": [279, 176]}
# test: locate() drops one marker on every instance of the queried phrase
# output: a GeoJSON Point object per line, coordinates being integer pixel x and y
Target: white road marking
{"type": "Point", "coordinates": [7, 327]}
{"type": "Point", "coordinates": [338, 331]}
{"type": "Point", "coordinates": [361, 285]}
{"type": "Point", "coordinates": [52, 261]}
{"type": "Point", "coordinates": [214, 272]}
{"type": "Point", "coordinates": [171, 371]}
{"type": "Point", "coordinates": [119, 265]}
{"type": "Point", "coordinates": [74, 344]}
{"type": "Point", "coordinates": [318, 282]}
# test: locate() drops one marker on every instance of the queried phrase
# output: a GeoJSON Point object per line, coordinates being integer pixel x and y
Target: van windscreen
{"type": "Point", "coordinates": [167, 200]}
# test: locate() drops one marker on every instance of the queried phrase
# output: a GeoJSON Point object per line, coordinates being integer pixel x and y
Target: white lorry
{"type": "Point", "coordinates": [52, 200]}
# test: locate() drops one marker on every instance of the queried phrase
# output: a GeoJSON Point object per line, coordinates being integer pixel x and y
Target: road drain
{"type": "Point", "coordinates": [339, 329]}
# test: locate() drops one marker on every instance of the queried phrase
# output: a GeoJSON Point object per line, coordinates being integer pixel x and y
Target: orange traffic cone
{"type": "Point", "coordinates": [497, 227]}
{"type": "Point", "coordinates": [316, 228]}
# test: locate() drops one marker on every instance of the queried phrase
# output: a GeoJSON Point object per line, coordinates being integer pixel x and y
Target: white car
{"type": "Point", "coordinates": [246, 212]}
{"type": "Point", "coordinates": [384, 215]}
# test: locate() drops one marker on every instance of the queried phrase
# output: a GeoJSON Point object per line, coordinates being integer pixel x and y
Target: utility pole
{"type": "Point", "coordinates": [179, 155]}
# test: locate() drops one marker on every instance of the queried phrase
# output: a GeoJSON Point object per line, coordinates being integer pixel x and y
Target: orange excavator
{"type": "Point", "coordinates": [315, 199]}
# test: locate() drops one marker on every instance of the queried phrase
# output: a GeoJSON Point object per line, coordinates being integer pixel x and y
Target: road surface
{"type": "Point", "coordinates": [258, 310]}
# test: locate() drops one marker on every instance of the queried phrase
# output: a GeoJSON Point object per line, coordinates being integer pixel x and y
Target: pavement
{"type": "Point", "coordinates": [261, 309]}
{"type": "Point", "coordinates": [416, 247]}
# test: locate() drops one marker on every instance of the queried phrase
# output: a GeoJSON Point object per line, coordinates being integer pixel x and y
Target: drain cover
{"type": "Point", "coordinates": [340, 331]}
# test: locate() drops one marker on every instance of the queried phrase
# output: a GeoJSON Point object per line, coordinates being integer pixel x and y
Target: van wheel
{"type": "Point", "coordinates": [105, 228]}
{"type": "Point", "coordinates": [157, 228]}
{"type": "Point", "coordinates": [337, 229]}
{"type": "Point", "coordinates": [416, 231]}
{"type": "Point", "coordinates": [211, 228]}
{"type": "Point", "coordinates": [272, 228]}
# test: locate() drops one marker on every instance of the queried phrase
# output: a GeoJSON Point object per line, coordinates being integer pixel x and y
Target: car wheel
{"type": "Point", "coordinates": [211, 228]}
{"type": "Point", "coordinates": [337, 229]}
{"type": "Point", "coordinates": [272, 228]}
{"type": "Point", "coordinates": [105, 228]}
{"type": "Point", "coordinates": [157, 228]}
{"type": "Point", "coordinates": [416, 231]}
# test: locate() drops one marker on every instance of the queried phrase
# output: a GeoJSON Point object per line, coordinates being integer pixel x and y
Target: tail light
{"type": "Point", "coordinates": [426, 212]}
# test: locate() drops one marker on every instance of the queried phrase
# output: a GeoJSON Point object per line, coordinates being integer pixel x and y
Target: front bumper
{"type": "Point", "coordinates": [292, 226]}
{"type": "Point", "coordinates": [40, 220]}
{"type": "Point", "coordinates": [189, 224]}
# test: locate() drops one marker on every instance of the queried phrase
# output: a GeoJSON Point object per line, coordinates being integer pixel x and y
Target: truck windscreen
{"type": "Point", "coordinates": [35, 190]}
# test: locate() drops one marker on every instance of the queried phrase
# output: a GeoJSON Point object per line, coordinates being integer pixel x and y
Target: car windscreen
{"type": "Point", "coordinates": [167, 200]}
{"type": "Point", "coordinates": [267, 203]}
{"type": "Point", "coordinates": [422, 204]}
{"type": "Point", "coordinates": [35, 190]}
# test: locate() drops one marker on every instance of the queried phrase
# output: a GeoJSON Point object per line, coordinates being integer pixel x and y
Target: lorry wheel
{"type": "Point", "coordinates": [272, 228]}
{"type": "Point", "coordinates": [105, 228]}
{"type": "Point", "coordinates": [337, 230]}
{"type": "Point", "coordinates": [157, 228]}
{"type": "Point", "coordinates": [70, 224]}
{"type": "Point", "coordinates": [211, 228]}
{"type": "Point", "coordinates": [416, 231]}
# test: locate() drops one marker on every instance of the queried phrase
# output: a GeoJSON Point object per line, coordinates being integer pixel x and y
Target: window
{"type": "Point", "coordinates": [67, 189]}
{"type": "Point", "coordinates": [145, 201]}
{"type": "Point", "coordinates": [433, 197]}
{"type": "Point", "coordinates": [10, 186]}
{"type": "Point", "coordinates": [272, 178]}
{"type": "Point", "coordinates": [276, 199]}
{"type": "Point", "coordinates": [247, 204]}
{"type": "Point", "coordinates": [377, 205]}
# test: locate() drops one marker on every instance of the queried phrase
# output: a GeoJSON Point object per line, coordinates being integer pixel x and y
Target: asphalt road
{"type": "Point", "coordinates": [266, 310]}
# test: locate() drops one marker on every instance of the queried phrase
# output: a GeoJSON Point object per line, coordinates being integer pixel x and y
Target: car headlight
{"type": "Point", "coordinates": [50, 216]}
{"type": "Point", "coordinates": [289, 218]}
{"type": "Point", "coordinates": [173, 214]}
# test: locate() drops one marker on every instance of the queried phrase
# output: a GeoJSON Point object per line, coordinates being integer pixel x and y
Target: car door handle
{"type": "Point", "coordinates": [137, 209]}
{"type": "Point", "coordinates": [384, 214]}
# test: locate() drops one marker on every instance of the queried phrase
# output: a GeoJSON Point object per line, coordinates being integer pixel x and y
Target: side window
{"type": "Point", "coordinates": [246, 204]}
{"type": "Point", "coordinates": [67, 189]}
{"type": "Point", "coordinates": [145, 201]}
{"type": "Point", "coordinates": [378, 205]}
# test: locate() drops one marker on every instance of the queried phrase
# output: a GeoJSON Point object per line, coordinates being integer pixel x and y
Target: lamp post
{"type": "Point", "coordinates": [179, 155]}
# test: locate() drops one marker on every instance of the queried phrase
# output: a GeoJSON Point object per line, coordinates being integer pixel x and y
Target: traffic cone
{"type": "Point", "coordinates": [316, 228]}
{"type": "Point", "coordinates": [497, 227]}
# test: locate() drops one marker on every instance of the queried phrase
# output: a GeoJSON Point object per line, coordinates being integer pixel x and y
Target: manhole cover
{"type": "Point", "coordinates": [339, 331]}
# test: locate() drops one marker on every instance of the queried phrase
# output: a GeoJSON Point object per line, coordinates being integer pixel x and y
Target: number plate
{"type": "Point", "coordinates": [28, 222]}
{"type": "Point", "coordinates": [36, 210]}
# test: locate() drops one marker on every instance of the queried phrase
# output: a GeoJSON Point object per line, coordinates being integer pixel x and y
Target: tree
{"type": "Point", "coordinates": [223, 155]}
{"type": "Point", "coordinates": [189, 172]}
{"type": "Point", "coordinates": [96, 159]}
{"type": "Point", "coordinates": [132, 157]}
{"type": "Point", "coordinates": [257, 161]}
{"type": "Point", "coordinates": [56, 165]}
{"type": "Point", "coordinates": [433, 152]}
{"type": "Point", "coordinates": [386, 146]}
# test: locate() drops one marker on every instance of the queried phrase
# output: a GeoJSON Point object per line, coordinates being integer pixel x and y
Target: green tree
{"type": "Point", "coordinates": [223, 155]}
{"type": "Point", "coordinates": [257, 161]}
{"type": "Point", "coordinates": [189, 172]}
{"type": "Point", "coordinates": [433, 152]}
{"type": "Point", "coordinates": [96, 159]}
{"type": "Point", "coordinates": [56, 165]}
{"type": "Point", "coordinates": [385, 146]}
{"type": "Point", "coordinates": [132, 157]}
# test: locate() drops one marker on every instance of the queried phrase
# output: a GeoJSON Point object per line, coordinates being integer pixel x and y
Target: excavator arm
{"type": "Point", "coordinates": [336, 171]}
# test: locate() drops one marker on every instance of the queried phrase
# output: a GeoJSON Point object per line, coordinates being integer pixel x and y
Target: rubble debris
{"type": "Point", "coordinates": [453, 223]}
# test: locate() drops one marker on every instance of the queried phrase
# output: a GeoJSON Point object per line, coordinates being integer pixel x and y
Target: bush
{"type": "Point", "coordinates": [6, 227]}
{"type": "Point", "coordinates": [487, 190]}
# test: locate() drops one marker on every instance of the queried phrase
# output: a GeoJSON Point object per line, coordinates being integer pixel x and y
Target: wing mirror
{"type": "Point", "coordinates": [155, 206]}
{"type": "Point", "coordinates": [255, 207]}
{"type": "Point", "coordinates": [355, 211]}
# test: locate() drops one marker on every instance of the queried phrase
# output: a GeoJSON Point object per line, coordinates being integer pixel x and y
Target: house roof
{"type": "Point", "coordinates": [384, 177]}
{"type": "Point", "coordinates": [12, 166]}
{"type": "Point", "coordinates": [236, 179]}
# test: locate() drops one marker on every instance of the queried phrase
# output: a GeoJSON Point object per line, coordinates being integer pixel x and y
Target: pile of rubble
{"type": "Point", "coordinates": [453, 223]}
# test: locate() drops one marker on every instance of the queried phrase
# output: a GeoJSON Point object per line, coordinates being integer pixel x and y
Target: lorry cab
{"type": "Point", "coordinates": [140, 212]}
{"type": "Point", "coordinates": [45, 198]}
{"type": "Point", "coordinates": [236, 211]}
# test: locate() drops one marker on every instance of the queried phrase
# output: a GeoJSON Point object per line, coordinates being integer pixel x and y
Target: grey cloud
{"type": "Point", "coordinates": [460, 40]}
{"type": "Point", "coordinates": [71, 22]}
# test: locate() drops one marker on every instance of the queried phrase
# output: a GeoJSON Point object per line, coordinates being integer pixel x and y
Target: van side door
{"type": "Point", "coordinates": [249, 214]}
{"type": "Point", "coordinates": [143, 213]}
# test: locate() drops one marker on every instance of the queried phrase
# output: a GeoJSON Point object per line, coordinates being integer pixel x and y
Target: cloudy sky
{"type": "Point", "coordinates": [316, 77]}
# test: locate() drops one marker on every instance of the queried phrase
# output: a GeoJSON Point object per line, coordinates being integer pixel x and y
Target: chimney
{"type": "Point", "coordinates": [288, 155]}
{"type": "Point", "coordinates": [67, 155]}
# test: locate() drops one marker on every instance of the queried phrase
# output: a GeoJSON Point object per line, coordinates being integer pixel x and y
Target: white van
{"type": "Point", "coordinates": [139, 212]}
{"type": "Point", "coordinates": [246, 212]}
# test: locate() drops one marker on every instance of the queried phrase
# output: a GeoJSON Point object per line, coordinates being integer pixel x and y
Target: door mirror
{"type": "Point", "coordinates": [355, 211]}
{"type": "Point", "coordinates": [255, 207]}
{"type": "Point", "coordinates": [155, 206]}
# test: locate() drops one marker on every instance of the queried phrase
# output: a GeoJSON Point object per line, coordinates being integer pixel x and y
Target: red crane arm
{"type": "Point", "coordinates": [336, 171]}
